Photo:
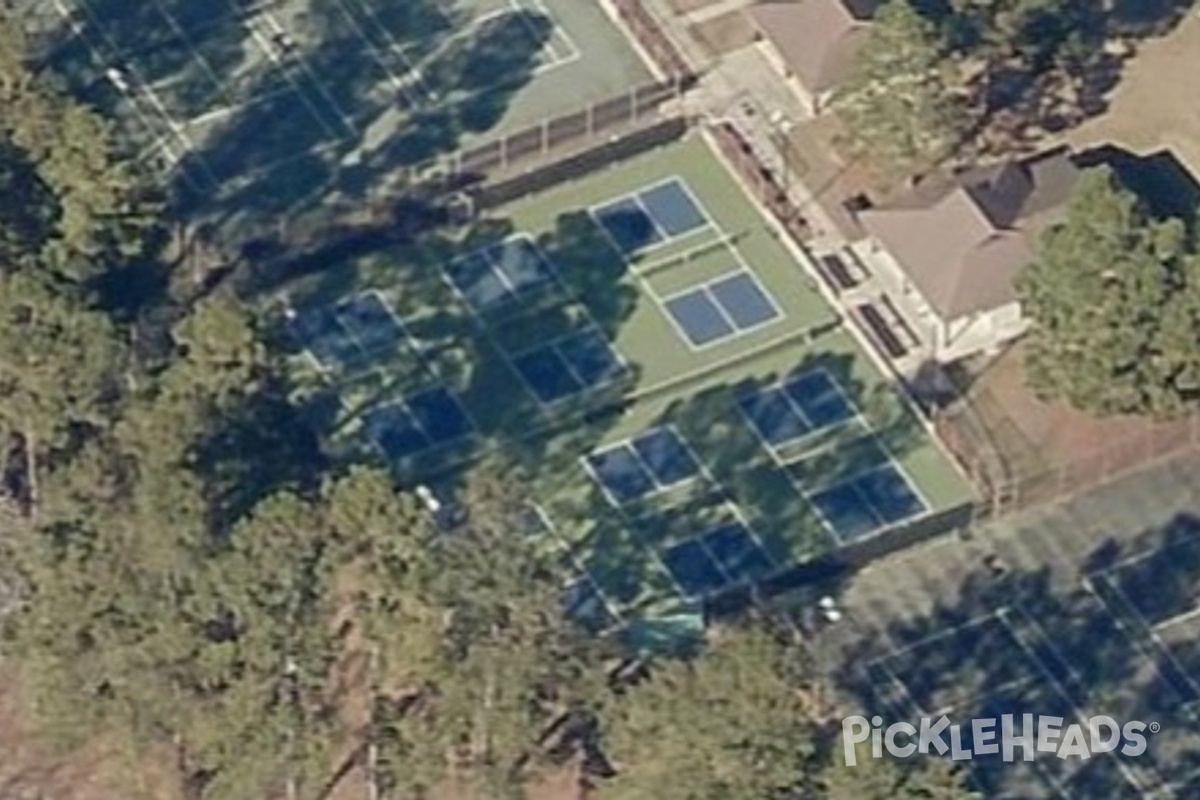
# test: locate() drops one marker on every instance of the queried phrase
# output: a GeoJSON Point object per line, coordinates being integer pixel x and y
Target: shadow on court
{"type": "Point", "coordinates": [1123, 643]}
{"type": "Point", "coordinates": [291, 113]}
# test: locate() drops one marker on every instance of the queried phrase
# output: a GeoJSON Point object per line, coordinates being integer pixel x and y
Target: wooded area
{"type": "Point", "coordinates": [185, 573]}
{"type": "Point", "coordinates": [182, 570]}
{"type": "Point", "coordinates": [959, 78]}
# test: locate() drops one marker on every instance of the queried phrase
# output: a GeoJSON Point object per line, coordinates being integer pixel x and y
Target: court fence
{"type": "Point", "coordinates": [649, 34]}
{"type": "Point", "coordinates": [498, 193]}
{"type": "Point", "coordinates": [550, 138]}
{"type": "Point", "coordinates": [1013, 476]}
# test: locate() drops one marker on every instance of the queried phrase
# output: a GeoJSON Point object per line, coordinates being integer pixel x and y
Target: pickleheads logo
{"type": "Point", "coordinates": [1037, 734]}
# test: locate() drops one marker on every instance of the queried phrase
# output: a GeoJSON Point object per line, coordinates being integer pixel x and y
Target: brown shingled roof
{"type": "Point", "coordinates": [817, 39]}
{"type": "Point", "coordinates": [962, 239]}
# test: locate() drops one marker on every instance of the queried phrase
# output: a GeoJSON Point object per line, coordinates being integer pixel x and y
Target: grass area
{"type": "Point", "coordinates": [664, 381]}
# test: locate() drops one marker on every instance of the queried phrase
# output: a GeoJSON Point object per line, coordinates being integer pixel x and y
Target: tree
{"type": "Point", "coordinates": [59, 371]}
{"type": "Point", "coordinates": [501, 666]}
{"type": "Point", "coordinates": [84, 207]}
{"type": "Point", "coordinates": [920, 778]}
{"type": "Point", "coordinates": [1113, 300]}
{"type": "Point", "coordinates": [727, 724]}
{"type": "Point", "coordinates": [899, 105]}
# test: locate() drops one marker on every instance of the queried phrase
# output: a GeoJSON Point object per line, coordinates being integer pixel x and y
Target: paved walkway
{"type": "Point", "coordinates": [743, 88]}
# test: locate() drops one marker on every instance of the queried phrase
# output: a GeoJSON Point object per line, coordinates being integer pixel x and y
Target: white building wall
{"type": "Point", "coordinates": [943, 341]}
{"type": "Point", "coordinates": [891, 278]}
{"type": "Point", "coordinates": [982, 332]}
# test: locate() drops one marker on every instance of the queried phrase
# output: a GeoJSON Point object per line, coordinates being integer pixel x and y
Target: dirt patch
{"type": "Point", "coordinates": [104, 770]}
{"type": "Point", "coordinates": [1154, 106]}
{"type": "Point", "coordinates": [724, 34]}
{"type": "Point", "coordinates": [1049, 450]}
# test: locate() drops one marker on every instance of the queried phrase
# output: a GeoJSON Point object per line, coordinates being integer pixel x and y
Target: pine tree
{"type": "Point", "coordinates": [899, 105]}
{"type": "Point", "coordinates": [1112, 303]}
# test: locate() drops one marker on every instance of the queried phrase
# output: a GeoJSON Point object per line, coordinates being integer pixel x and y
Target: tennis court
{"type": "Point", "coordinates": [230, 91]}
{"type": "Point", "coordinates": [668, 472]}
{"type": "Point", "coordinates": [1121, 643]}
{"type": "Point", "coordinates": [984, 668]}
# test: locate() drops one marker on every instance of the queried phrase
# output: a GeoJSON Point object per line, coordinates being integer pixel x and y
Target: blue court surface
{"type": "Point", "coordinates": [693, 569]}
{"type": "Point", "coordinates": [371, 322]}
{"type": "Point", "coordinates": [717, 310]}
{"type": "Point", "coordinates": [737, 552]}
{"type": "Point", "coordinates": [569, 366]}
{"type": "Point", "coordinates": [584, 603]}
{"type": "Point", "coordinates": [425, 420]}
{"type": "Point", "coordinates": [500, 274]}
{"type": "Point", "coordinates": [872, 500]}
{"type": "Point", "coordinates": [657, 459]}
{"type": "Point", "coordinates": [651, 216]}
{"type": "Point", "coordinates": [347, 334]}
{"type": "Point", "coordinates": [716, 559]}
{"type": "Point", "coordinates": [801, 405]}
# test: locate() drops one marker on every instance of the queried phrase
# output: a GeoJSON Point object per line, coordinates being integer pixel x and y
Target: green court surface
{"type": "Point", "coordinates": [725, 507]}
{"type": "Point", "coordinates": [223, 92]}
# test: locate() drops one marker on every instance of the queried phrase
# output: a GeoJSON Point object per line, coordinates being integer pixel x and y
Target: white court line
{"type": "Point", "coordinates": [698, 539]}
{"type": "Point", "coordinates": [686, 257]}
{"type": "Point", "coordinates": [1192, 708]}
{"type": "Point", "coordinates": [750, 529]}
{"type": "Point", "coordinates": [716, 366]}
{"type": "Point", "coordinates": [634, 196]}
{"type": "Point", "coordinates": [590, 323]}
{"type": "Point", "coordinates": [1150, 632]}
{"type": "Point", "coordinates": [854, 477]}
{"type": "Point", "coordinates": [1054, 782]}
{"type": "Point", "coordinates": [269, 51]}
{"type": "Point", "coordinates": [396, 82]}
{"type": "Point", "coordinates": [144, 87]}
{"type": "Point", "coordinates": [1177, 619]}
{"type": "Point", "coordinates": [1135, 558]}
{"type": "Point", "coordinates": [834, 444]}
{"type": "Point", "coordinates": [396, 47]}
{"type": "Point", "coordinates": [1047, 642]}
{"type": "Point", "coordinates": [231, 109]}
{"type": "Point", "coordinates": [587, 388]}
{"type": "Point", "coordinates": [193, 51]}
{"type": "Point", "coordinates": [1059, 689]}
{"type": "Point", "coordinates": [555, 280]}
{"type": "Point", "coordinates": [630, 529]}
{"type": "Point", "coordinates": [422, 366]}
{"type": "Point", "coordinates": [895, 651]}
{"type": "Point", "coordinates": [556, 61]}
{"type": "Point", "coordinates": [659, 487]}
{"type": "Point", "coordinates": [814, 431]}
{"type": "Point", "coordinates": [736, 330]}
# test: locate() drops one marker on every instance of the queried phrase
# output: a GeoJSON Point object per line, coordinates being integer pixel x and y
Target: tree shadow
{"type": "Point", "coordinates": [1055, 68]}
{"type": "Point", "coordinates": [262, 446]}
{"type": "Point", "coordinates": [1016, 641]}
{"type": "Point", "coordinates": [288, 115]}
{"type": "Point", "coordinates": [1142, 19]}
{"type": "Point", "coordinates": [1167, 187]}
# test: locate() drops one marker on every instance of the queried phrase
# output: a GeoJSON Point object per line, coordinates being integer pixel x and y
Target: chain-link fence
{"type": "Point", "coordinates": [646, 30]}
{"type": "Point", "coordinates": [639, 106]}
{"type": "Point", "coordinates": [1013, 473]}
